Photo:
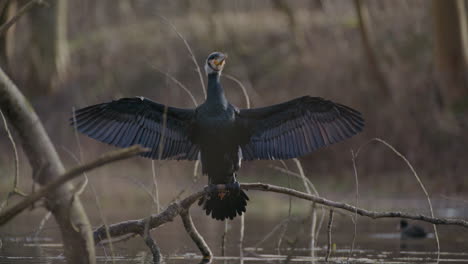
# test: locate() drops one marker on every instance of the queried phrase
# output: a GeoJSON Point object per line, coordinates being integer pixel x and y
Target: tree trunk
{"type": "Point", "coordinates": [369, 51]}
{"type": "Point", "coordinates": [450, 49]}
{"type": "Point", "coordinates": [7, 42]}
{"type": "Point", "coordinates": [48, 53]}
{"type": "Point", "coordinates": [283, 7]}
{"type": "Point", "coordinates": [66, 208]}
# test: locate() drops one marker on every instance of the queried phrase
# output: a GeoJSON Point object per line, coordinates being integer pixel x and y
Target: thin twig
{"type": "Point", "coordinates": [71, 174]}
{"type": "Point", "coordinates": [355, 219]}
{"type": "Point", "coordinates": [80, 189]}
{"type": "Point", "coordinates": [155, 187]}
{"type": "Point", "coordinates": [304, 178]}
{"type": "Point", "coordinates": [241, 240]}
{"type": "Point", "coordinates": [282, 233]}
{"type": "Point", "coordinates": [104, 222]}
{"type": "Point", "coordinates": [271, 233]}
{"type": "Point", "coordinates": [224, 239]}
{"type": "Point", "coordinates": [15, 150]}
{"type": "Point", "coordinates": [42, 224]}
{"type": "Point", "coordinates": [141, 186]}
{"type": "Point", "coordinates": [313, 212]}
{"type": "Point", "coordinates": [195, 170]}
{"type": "Point", "coordinates": [285, 227]}
{"type": "Point", "coordinates": [15, 189]}
{"type": "Point", "coordinates": [419, 181]}
{"type": "Point", "coordinates": [244, 91]}
{"type": "Point", "coordinates": [24, 9]}
{"type": "Point", "coordinates": [312, 231]}
{"type": "Point", "coordinates": [295, 174]}
{"type": "Point", "coordinates": [194, 59]}
{"type": "Point", "coordinates": [154, 171]}
{"type": "Point", "coordinates": [329, 228]}
{"type": "Point", "coordinates": [181, 85]}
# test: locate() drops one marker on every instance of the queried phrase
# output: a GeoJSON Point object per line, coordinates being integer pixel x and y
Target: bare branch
{"type": "Point", "coordinates": [13, 144]}
{"type": "Point", "coordinates": [355, 216]}
{"type": "Point", "coordinates": [241, 240]}
{"type": "Point", "coordinates": [329, 228]}
{"type": "Point", "coordinates": [417, 178]}
{"type": "Point", "coordinates": [15, 189]}
{"type": "Point", "coordinates": [196, 237]}
{"type": "Point", "coordinates": [353, 209]}
{"type": "Point", "coordinates": [180, 207]}
{"type": "Point", "coordinates": [149, 241]}
{"type": "Point", "coordinates": [71, 174]}
{"type": "Point", "coordinates": [192, 56]}
{"type": "Point", "coordinates": [155, 220]}
{"type": "Point", "coordinates": [244, 90]}
{"type": "Point", "coordinates": [181, 85]}
{"type": "Point", "coordinates": [224, 239]}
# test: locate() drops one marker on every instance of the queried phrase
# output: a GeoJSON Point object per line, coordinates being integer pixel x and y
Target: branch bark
{"type": "Point", "coordinates": [68, 212]}
{"type": "Point", "coordinates": [71, 174]}
{"type": "Point", "coordinates": [130, 227]}
{"type": "Point", "coordinates": [196, 237]}
{"type": "Point", "coordinates": [353, 209]}
{"type": "Point", "coordinates": [155, 220]}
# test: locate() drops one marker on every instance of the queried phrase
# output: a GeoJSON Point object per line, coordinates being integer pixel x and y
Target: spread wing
{"type": "Point", "coordinates": [295, 128]}
{"type": "Point", "coordinates": [129, 121]}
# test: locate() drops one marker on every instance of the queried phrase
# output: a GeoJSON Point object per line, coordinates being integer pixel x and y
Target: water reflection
{"type": "Point", "coordinates": [376, 241]}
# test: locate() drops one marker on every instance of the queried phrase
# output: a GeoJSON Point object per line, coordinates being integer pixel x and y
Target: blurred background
{"type": "Point", "coordinates": [401, 63]}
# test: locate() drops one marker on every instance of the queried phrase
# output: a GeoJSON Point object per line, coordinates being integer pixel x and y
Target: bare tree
{"type": "Point", "coordinates": [369, 50]}
{"type": "Point", "coordinates": [7, 11]}
{"type": "Point", "coordinates": [47, 54]}
{"type": "Point", "coordinates": [450, 48]}
{"type": "Point", "coordinates": [47, 166]}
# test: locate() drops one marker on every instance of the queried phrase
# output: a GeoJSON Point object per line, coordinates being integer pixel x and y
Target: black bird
{"type": "Point", "coordinates": [411, 231]}
{"type": "Point", "coordinates": [220, 134]}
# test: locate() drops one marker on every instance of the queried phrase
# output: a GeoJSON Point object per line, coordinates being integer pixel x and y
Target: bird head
{"type": "Point", "coordinates": [215, 62]}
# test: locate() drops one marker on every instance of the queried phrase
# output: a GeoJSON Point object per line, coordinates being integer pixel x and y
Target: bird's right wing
{"type": "Point", "coordinates": [295, 128]}
{"type": "Point", "coordinates": [129, 121]}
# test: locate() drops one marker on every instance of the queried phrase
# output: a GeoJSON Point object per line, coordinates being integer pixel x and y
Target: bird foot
{"type": "Point", "coordinates": [230, 187]}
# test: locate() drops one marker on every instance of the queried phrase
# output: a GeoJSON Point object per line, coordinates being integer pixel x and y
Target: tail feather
{"type": "Point", "coordinates": [224, 206]}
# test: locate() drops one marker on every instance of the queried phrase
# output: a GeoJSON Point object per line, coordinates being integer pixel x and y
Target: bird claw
{"type": "Point", "coordinates": [213, 188]}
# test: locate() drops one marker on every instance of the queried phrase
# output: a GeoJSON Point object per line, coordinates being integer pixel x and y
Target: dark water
{"type": "Point", "coordinates": [376, 241]}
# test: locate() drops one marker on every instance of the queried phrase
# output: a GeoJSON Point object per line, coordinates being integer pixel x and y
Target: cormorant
{"type": "Point", "coordinates": [411, 231]}
{"type": "Point", "coordinates": [220, 134]}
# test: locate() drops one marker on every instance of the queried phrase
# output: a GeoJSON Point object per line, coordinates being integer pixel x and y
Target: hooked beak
{"type": "Point", "coordinates": [220, 61]}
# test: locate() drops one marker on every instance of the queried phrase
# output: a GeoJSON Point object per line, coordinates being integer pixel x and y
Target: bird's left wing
{"type": "Point", "coordinates": [295, 128]}
{"type": "Point", "coordinates": [129, 121]}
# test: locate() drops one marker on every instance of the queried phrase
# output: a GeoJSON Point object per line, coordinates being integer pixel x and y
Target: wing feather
{"type": "Point", "coordinates": [295, 128]}
{"type": "Point", "coordinates": [131, 121]}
